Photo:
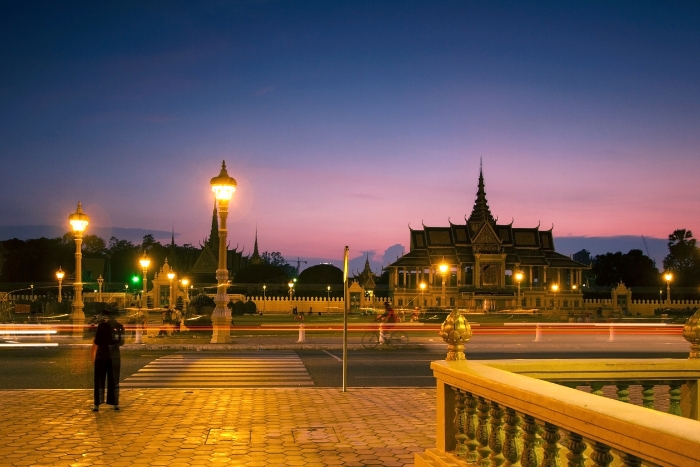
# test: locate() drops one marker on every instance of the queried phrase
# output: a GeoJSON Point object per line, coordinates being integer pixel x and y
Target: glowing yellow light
{"type": "Point", "coordinates": [518, 276]}
{"type": "Point", "coordinates": [291, 284]}
{"type": "Point", "coordinates": [60, 274]}
{"type": "Point", "coordinates": [555, 287]}
{"type": "Point", "coordinates": [668, 276]}
{"type": "Point", "coordinates": [422, 285]}
{"type": "Point", "coordinates": [223, 185]}
{"type": "Point", "coordinates": [443, 268]}
{"type": "Point", "coordinates": [171, 275]}
{"type": "Point", "coordinates": [145, 262]}
{"type": "Point", "coordinates": [79, 220]}
{"type": "Point", "coordinates": [185, 282]}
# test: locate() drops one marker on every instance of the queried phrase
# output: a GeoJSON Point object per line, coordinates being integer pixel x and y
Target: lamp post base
{"type": "Point", "coordinates": [77, 321]}
{"type": "Point", "coordinates": [221, 327]}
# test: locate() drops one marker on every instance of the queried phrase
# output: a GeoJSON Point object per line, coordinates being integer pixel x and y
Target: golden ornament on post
{"type": "Point", "coordinates": [456, 331]}
{"type": "Point", "coordinates": [691, 333]}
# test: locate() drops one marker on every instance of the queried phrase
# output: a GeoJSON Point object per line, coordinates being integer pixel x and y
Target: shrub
{"type": "Point", "coordinates": [202, 301]}
{"type": "Point", "coordinates": [250, 307]}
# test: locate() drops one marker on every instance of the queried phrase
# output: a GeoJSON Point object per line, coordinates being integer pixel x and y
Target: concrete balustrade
{"type": "Point", "coordinates": [510, 412]}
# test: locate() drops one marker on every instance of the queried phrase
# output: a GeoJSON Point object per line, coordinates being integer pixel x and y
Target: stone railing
{"type": "Point", "coordinates": [521, 413]}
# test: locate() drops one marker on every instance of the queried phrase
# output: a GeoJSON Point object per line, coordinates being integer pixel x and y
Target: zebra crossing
{"type": "Point", "coordinates": [218, 370]}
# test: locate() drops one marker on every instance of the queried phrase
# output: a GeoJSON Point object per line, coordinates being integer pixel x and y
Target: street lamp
{"type": "Point", "coordinates": [100, 281]}
{"type": "Point", "coordinates": [144, 262]}
{"type": "Point", "coordinates": [443, 270]}
{"type": "Point", "coordinates": [555, 287]}
{"type": "Point", "coordinates": [223, 187]}
{"type": "Point", "coordinates": [328, 298]}
{"type": "Point", "coordinates": [185, 282]}
{"type": "Point", "coordinates": [668, 276]}
{"type": "Point", "coordinates": [264, 298]}
{"type": "Point", "coordinates": [78, 221]}
{"type": "Point", "coordinates": [291, 290]}
{"type": "Point", "coordinates": [171, 276]}
{"type": "Point", "coordinates": [32, 287]}
{"type": "Point", "coordinates": [59, 276]}
{"type": "Point", "coordinates": [422, 289]}
{"type": "Point", "coordinates": [519, 279]}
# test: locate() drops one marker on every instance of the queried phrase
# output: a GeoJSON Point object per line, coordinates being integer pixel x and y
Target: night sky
{"type": "Point", "coordinates": [344, 122]}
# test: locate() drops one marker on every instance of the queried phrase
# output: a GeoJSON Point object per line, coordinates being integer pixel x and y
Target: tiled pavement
{"type": "Point", "coordinates": [214, 427]}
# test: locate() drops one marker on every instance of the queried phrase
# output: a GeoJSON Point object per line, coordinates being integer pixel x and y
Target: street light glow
{"type": "Point", "coordinates": [60, 274]}
{"type": "Point", "coordinates": [145, 262]}
{"type": "Point", "coordinates": [223, 185]}
{"type": "Point", "coordinates": [443, 268]}
{"type": "Point", "coordinates": [668, 276]}
{"type": "Point", "coordinates": [519, 276]}
{"type": "Point", "coordinates": [79, 220]}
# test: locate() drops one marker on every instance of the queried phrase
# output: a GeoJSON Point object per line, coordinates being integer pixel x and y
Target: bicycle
{"type": "Point", "coordinates": [395, 339]}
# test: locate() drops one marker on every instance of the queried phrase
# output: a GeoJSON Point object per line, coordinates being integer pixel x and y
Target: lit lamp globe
{"type": "Point", "coordinates": [443, 268]}
{"type": "Point", "coordinates": [144, 262]}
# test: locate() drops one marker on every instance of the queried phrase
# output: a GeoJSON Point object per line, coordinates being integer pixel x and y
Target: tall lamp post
{"type": "Point", "coordinates": [78, 221]}
{"type": "Point", "coordinates": [100, 281]}
{"type": "Point", "coordinates": [518, 279]}
{"type": "Point", "coordinates": [185, 282]}
{"type": "Point", "coordinates": [422, 289]}
{"type": "Point", "coordinates": [291, 291]}
{"type": "Point", "coordinates": [171, 276]}
{"type": "Point", "coordinates": [223, 187]}
{"type": "Point", "coordinates": [328, 298]}
{"type": "Point", "coordinates": [443, 271]}
{"type": "Point", "coordinates": [144, 262]}
{"type": "Point", "coordinates": [264, 298]}
{"type": "Point", "coordinates": [59, 276]}
{"type": "Point", "coordinates": [669, 277]}
{"type": "Point", "coordinates": [555, 287]}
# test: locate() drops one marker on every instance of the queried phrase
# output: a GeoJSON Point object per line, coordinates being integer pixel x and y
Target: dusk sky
{"type": "Point", "coordinates": [344, 122]}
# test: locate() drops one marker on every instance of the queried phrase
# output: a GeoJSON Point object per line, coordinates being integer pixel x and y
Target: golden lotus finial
{"type": "Point", "coordinates": [691, 333]}
{"type": "Point", "coordinates": [456, 331]}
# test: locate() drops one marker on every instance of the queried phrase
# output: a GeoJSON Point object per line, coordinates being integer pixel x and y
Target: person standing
{"type": "Point", "coordinates": [117, 341]}
{"type": "Point", "coordinates": [102, 359]}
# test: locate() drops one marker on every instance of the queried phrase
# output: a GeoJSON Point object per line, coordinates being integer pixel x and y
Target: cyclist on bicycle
{"type": "Point", "coordinates": [387, 320]}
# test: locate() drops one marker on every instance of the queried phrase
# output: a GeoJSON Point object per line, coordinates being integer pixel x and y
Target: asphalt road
{"type": "Point", "coordinates": [71, 368]}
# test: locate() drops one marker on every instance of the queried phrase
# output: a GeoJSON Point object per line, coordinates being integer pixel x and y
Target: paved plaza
{"type": "Point", "coordinates": [214, 427]}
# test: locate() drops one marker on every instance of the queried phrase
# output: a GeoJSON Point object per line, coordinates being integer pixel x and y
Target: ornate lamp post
{"type": "Point", "coordinates": [422, 289]}
{"type": "Point", "coordinates": [59, 276]}
{"type": "Point", "coordinates": [291, 291]}
{"type": "Point", "coordinates": [264, 298]}
{"type": "Point", "coordinates": [443, 271]}
{"type": "Point", "coordinates": [144, 262]}
{"type": "Point", "coordinates": [669, 277]}
{"type": "Point", "coordinates": [328, 298]}
{"type": "Point", "coordinates": [185, 282]}
{"type": "Point", "coordinates": [78, 221]}
{"type": "Point", "coordinates": [171, 276]}
{"type": "Point", "coordinates": [223, 187]}
{"type": "Point", "coordinates": [100, 281]}
{"type": "Point", "coordinates": [518, 279]}
{"type": "Point", "coordinates": [555, 287]}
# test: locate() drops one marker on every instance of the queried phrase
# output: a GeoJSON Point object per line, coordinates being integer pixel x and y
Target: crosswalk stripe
{"type": "Point", "coordinates": [218, 370]}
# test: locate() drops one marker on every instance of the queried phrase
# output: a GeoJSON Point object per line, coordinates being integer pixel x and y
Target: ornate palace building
{"type": "Point", "coordinates": [476, 266]}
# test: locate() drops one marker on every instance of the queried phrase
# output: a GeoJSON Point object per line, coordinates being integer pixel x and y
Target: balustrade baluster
{"type": "Point", "coordinates": [482, 433]}
{"type": "Point", "coordinates": [551, 445]}
{"type": "Point", "coordinates": [511, 440]}
{"type": "Point", "coordinates": [648, 396]}
{"type": "Point", "coordinates": [623, 392]}
{"type": "Point", "coordinates": [531, 440]}
{"type": "Point", "coordinates": [601, 455]}
{"type": "Point", "coordinates": [576, 447]}
{"type": "Point", "coordinates": [471, 425]}
{"type": "Point", "coordinates": [460, 423]}
{"type": "Point", "coordinates": [628, 460]}
{"type": "Point", "coordinates": [597, 388]}
{"type": "Point", "coordinates": [496, 436]}
{"type": "Point", "coordinates": [674, 398]}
